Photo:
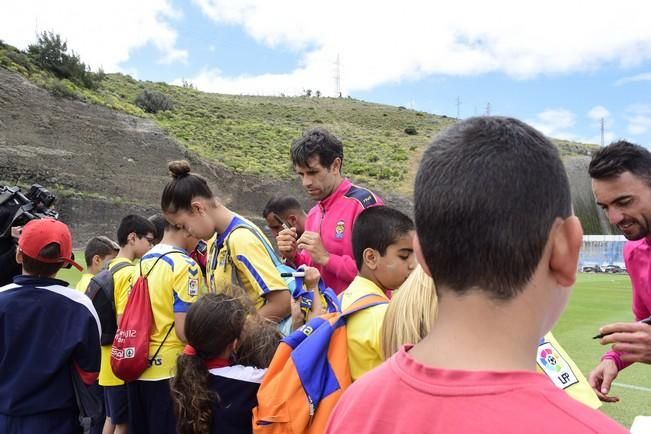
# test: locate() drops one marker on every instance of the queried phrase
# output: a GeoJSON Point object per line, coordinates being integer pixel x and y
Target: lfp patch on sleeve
{"type": "Point", "coordinates": [193, 287]}
{"type": "Point", "coordinates": [555, 366]}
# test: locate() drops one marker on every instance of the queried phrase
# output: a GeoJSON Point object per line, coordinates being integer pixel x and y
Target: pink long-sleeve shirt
{"type": "Point", "coordinates": [333, 218]}
{"type": "Point", "coordinates": [637, 257]}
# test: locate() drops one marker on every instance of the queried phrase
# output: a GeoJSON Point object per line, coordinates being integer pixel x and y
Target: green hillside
{"type": "Point", "coordinates": [252, 134]}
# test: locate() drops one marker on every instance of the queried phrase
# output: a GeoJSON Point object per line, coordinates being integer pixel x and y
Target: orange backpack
{"type": "Point", "coordinates": [307, 375]}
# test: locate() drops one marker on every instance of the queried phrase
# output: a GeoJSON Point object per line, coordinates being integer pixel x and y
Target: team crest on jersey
{"type": "Point", "coordinates": [339, 230]}
{"type": "Point", "coordinates": [555, 366]}
{"type": "Point", "coordinates": [193, 287]}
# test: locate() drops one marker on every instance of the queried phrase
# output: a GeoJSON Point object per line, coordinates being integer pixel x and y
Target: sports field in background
{"type": "Point", "coordinates": [597, 299]}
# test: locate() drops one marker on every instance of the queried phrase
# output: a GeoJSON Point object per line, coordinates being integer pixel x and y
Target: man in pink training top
{"type": "Point", "coordinates": [494, 227]}
{"type": "Point", "coordinates": [621, 183]}
{"type": "Point", "coordinates": [326, 243]}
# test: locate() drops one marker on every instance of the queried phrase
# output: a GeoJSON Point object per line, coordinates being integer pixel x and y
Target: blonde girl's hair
{"type": "Point", "coordinates": [410, 314]}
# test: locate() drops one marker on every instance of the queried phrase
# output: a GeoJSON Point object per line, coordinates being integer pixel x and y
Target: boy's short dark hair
{"type": "Point", "coordinates": [136, 224]}
{"type": "Point", "coordinates": [279, 205]}
{"type": "Point", "coordinates": [101, 246]}
{"type": "Point", "coordinates": [377, 228]}
{"type": "Point", "coordinates": [160, 223]}
{"type": "Point", "coordinates": [487, 192]}
{"type": "Point", "coordinates": [619, 157]}
{"type": "Point", "coordinates": [317, 142]}
{"type": "Point", "coordinates": [43, 269]}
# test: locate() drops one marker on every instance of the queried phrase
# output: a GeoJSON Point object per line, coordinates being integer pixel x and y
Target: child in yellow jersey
{"type": "Point", "coordinates": [412, 311]}
{"type": "Point", "coordinates": [189, 203]}
{"type": "Point", "coordinates": [135, 237]}
{"type": "Point", "coordinates": [99, 251]}
{"type": "Point", "coordinates": [382, 246]}
{"type": "Point", "coordinates": [175, 283]}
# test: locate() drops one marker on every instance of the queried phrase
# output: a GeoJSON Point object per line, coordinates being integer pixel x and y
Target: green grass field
{"type": "Point", "coordinates": [597, 299]}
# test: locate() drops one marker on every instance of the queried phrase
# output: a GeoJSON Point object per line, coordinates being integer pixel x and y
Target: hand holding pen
{"type": "Point", "coordinates": [631, 339]}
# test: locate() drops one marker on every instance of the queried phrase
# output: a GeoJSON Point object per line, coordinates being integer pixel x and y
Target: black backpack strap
{"type": "Point", "coordinates": [155, 262]}
{"type": "Point", "coordinates": [169, 330]}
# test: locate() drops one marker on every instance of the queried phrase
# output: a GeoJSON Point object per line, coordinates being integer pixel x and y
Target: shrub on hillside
{"type": "Point", "coordinates": [61, 89]}
{"type": "Point", "coordinates": [411, 131]}
{"type": "Point", "coordinates": [51, 53]}
{"type": "Point", "coordinates": [152, 101]}
{"type": "Point", "coordinates": [20, 59]}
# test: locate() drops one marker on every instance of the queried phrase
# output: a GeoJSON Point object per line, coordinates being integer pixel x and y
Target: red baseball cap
{"type": "Point", "coordinates": [39, 233]}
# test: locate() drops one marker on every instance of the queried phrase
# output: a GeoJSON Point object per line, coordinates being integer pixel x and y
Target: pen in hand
{"type": "Point", "coordinates": [601, 335]}
{"type": "Point", "coordinates": [281, 222]}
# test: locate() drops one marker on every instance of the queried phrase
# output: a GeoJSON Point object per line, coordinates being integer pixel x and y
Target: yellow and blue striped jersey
{"type": "Point", "coordinates": [174, 284]}
{"type": "Point", "coordinates": [255, 271]}
{"type": "Point", "coordinates": [121, 287]}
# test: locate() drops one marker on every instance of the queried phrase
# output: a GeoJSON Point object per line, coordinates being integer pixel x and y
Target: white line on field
{"type": "Point", "coordinates": [630, 386]}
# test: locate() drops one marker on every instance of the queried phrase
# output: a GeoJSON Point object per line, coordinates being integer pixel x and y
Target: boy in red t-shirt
{"type": "Point", "coordinates": [495, 229]}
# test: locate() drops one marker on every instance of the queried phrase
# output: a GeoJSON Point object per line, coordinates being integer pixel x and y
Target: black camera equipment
{"type": "Point", "coordinates": [16, 208]}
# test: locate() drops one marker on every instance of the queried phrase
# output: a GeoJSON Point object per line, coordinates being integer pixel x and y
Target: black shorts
{"type": "Point", "coordinates": [151, 410]}
{"type": "Point", "coordinates": [117, 404]}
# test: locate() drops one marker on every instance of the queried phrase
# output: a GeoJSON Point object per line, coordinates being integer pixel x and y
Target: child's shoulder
{"type": "Point", "coordinates": [247, 374]}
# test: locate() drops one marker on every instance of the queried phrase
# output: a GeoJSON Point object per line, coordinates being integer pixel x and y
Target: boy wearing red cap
{"type": "Point", "coordinates": [48, 330]}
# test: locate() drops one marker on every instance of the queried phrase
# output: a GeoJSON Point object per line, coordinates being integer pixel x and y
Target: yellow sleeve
{"type": "Point", "coordinates": [187, 284]}
{"type": "Point", "coordinates": [553, 361]}
{"type": "Point", "coordinates": [82, 285]}
{"type": "Point", "coordinates": [122, 287]}
{"type": "Point", "coordinates": [363, 333]}
{"type": "Point", "coordinates": [254, 266]}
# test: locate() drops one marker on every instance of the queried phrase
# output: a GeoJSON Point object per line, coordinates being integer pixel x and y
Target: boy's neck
{"type": "Point", "coordinates": [173, 239]}
{"type": "Point", "coordinates": [368, 274]}
{"type": "Point", "coordinates": [473, 333]}
{"type": "Point", "coordinates": [126, 252]}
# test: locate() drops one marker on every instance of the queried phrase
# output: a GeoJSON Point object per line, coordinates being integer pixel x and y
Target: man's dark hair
{"type": "Point", "coordinates": [320, 143]}
{"type": "Point", "coordinates": [279, 205]}
{"type": "Point", "coordinates": [377, 228]}
{"type": "Point", "coordinates": [136, 224]}
{"type": "Point", "coordinates": [101, 246]}
{"type": "Point", "coordinates": [487, 193]}
{"type": "Point", "coordinates": [43, 269]}
{"type": "Point", "coordinates": [619, 157]}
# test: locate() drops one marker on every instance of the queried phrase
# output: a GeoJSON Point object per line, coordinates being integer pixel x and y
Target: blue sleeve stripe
{"type": "Point", "coordinates": [180, 306]}
{"type": "Point", "coordinates": [156, 255]}
{"type": "Point", "coordinates": [254, 272]}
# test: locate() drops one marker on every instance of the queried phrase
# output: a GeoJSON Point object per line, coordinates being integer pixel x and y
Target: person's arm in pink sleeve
{"type": "Point", "coordinates": [617, 358]}
{"type": "Point", "coordinates": [640, 312]}
{"type": "Point", "coordinates": [342, 266]}
{"type": "Point", "coordinates": [302, 258]}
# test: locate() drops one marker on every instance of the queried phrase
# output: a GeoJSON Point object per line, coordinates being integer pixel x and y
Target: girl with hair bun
{"type": "Point", "coordinates": [237, 256]}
